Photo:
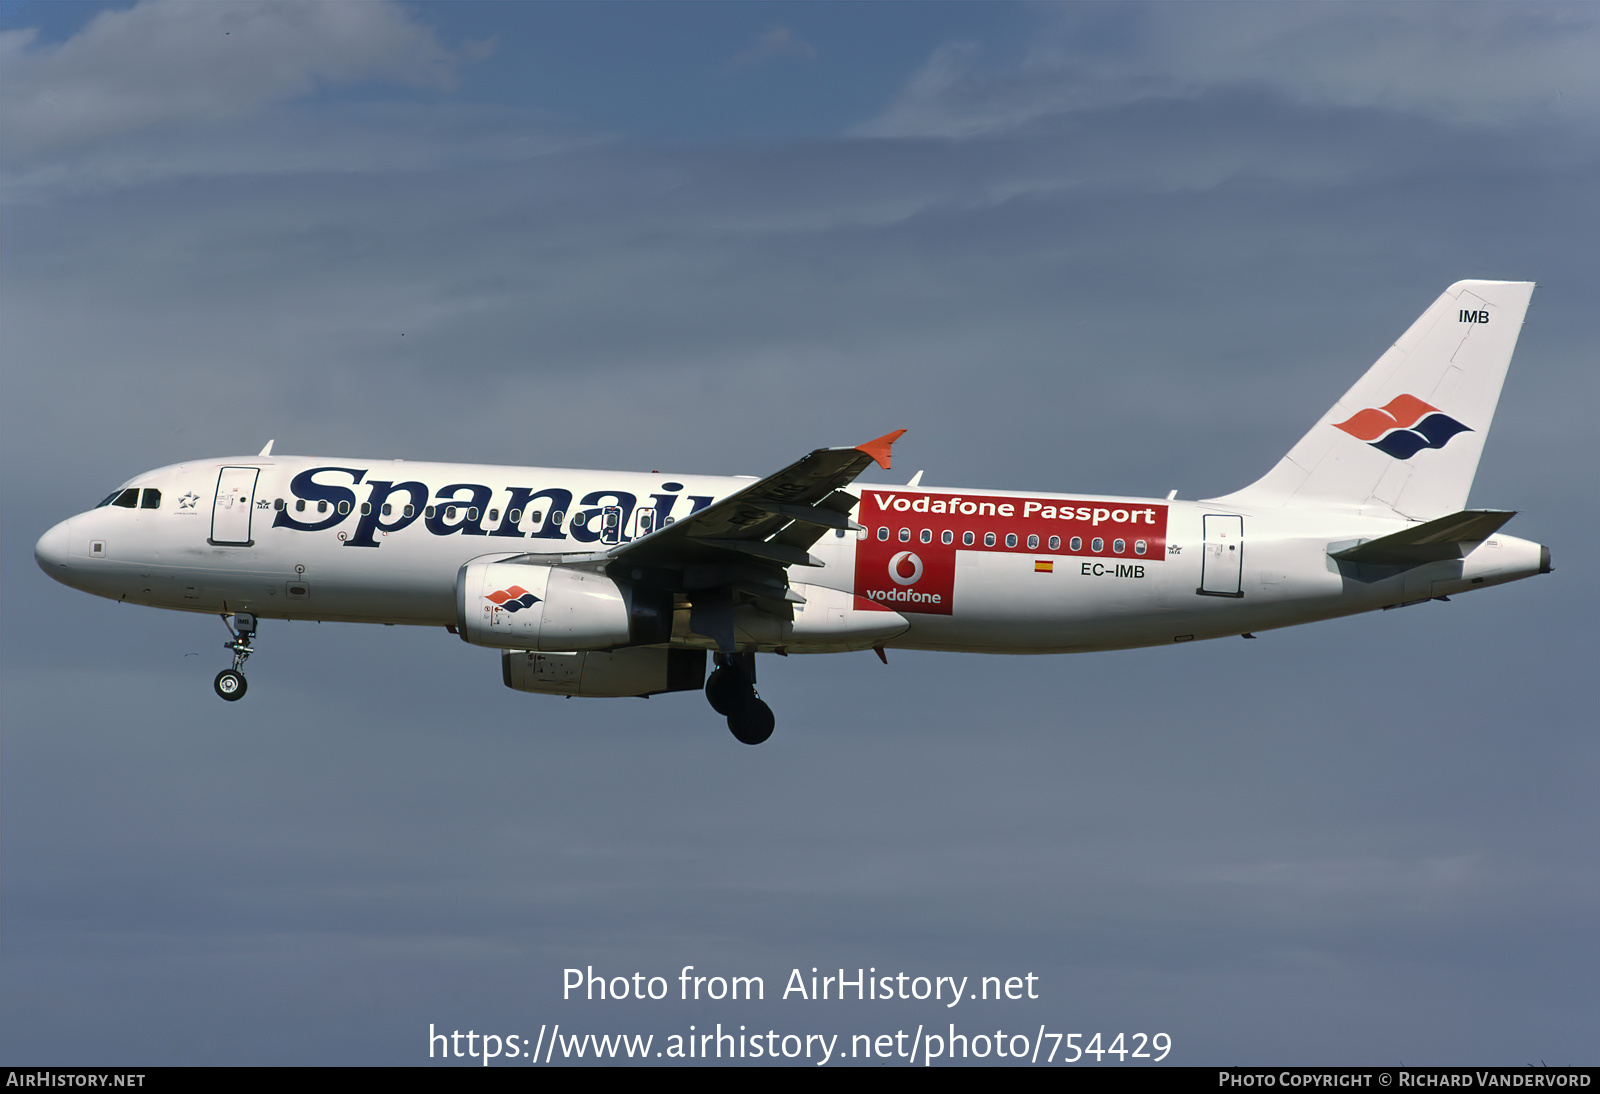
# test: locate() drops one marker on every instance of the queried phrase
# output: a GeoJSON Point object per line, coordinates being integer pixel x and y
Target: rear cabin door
{"type": "Point", "coordinates": [230, 513]}
{"type": "Point", "coordinates": [1223, 563]}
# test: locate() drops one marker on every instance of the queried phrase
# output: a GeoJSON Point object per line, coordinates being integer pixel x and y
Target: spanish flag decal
{"type": "Point", "coordinates": [1040, 566]}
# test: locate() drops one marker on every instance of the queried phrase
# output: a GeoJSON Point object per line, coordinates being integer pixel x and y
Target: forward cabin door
{"type": "Point", "coordinates": [230, 513]}
{"type": "Point", "coordinates": [1223, 563]}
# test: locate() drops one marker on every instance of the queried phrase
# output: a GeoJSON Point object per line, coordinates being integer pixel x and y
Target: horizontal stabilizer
{"type": "Point", "coordinates": [1455, 536]}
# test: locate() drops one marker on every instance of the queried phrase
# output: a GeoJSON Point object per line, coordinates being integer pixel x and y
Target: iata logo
{"type": "Point", "coordinates": [1403, 428]}
{"type": "Point", "coordinates": [513, 599]}
{"type": "Point", "coordinates": [905, 568]}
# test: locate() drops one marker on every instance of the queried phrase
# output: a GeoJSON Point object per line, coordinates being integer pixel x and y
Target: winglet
{"type": "Point", "coordinates": [879, 449]}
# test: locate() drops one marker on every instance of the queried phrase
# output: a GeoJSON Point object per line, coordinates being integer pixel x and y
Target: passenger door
{"type": "Point", "coordinates": [230, 512]}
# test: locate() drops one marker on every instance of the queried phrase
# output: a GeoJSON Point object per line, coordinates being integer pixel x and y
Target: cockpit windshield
{"type": "Point", "coordinates": [130, 499]}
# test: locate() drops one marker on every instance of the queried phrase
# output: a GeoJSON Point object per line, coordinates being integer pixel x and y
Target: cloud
{"type": "Point", "coordinates": [166, 61]}
{"type": "Point", "coordinates": [1474, 63]}
{"type": "Point", "coordinates": [777, 42]}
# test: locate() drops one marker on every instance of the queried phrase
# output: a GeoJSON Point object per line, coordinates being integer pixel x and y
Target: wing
{"type": "Point", "coordinates": [775, 519]}
{"type": "Point", "coordinates": [738, 551]}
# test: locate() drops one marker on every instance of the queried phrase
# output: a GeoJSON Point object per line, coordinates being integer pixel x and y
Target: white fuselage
{"type": "Point", "coordinates": [383, 541]}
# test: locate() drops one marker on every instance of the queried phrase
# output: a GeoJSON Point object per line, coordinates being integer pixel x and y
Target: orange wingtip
{"type": "Point", "coordinates": [879, 449]}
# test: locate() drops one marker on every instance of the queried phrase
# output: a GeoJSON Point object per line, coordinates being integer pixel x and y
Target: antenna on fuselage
{"type": "Point", "coordinates": [267, 451]}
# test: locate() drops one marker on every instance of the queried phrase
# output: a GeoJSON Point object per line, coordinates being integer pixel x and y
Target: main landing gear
{"type": "Point", "coordinates": [731, 691]}
{"type": "Point", "coordinates": [230, 684]}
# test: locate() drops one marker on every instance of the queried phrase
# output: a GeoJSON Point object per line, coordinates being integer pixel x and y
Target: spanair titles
{"type": "Point", "coordinates": [608, 584]}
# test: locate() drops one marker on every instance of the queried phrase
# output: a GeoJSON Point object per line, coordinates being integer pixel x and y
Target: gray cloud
{"type": "Point", "coordinates": [165, 61]}
{"type": "Point", "coordinates": [1462, 63]}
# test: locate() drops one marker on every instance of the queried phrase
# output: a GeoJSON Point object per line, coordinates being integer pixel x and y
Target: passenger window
{"type": "Point", "coordinates": [322, 507]}
{"type": "Point", "coordinates": [1077, 543]}
{"type": "Point", "coordinates": [1097, 545]}
{"type": "Point", "coordinates": [409, 511]}
{"type": "Point", "coordinates": [428, 512]}
{"type": "Point", "coordinates": [278, 505]}
{"type": "Point", "coordinates": [988, 539]}
{"type": "Point", "coordinates": [388, 509]}
{"type": "Point", "coordinates": [494, 514]}
{"type": "Point", "coordinates": [472, 513]}
{"type": "Point", "coordinates": [1055, 543]}
{"type": "Point", "coordinates": [883, 535]}
{"type": "Point", "coordinates": [299, 505]}
{"type": "Point", "coordinates": [1139, 546]}
{"type": "Point", "coordinates": [366, 507]}
{"type": "Point", "coordinates": [152, 499]}
{"type": "Point", "coordinates": [1119, 546]}
{"type": "Point", "coordinates": [128, 499]}
{"type": "Point", "coordinates": [515, 516]}
{"type": "Point", "coordinates": [449, 512]}
{"type": "Point", "coordinates": [1011, 539]}
{"type": "Point", "coordinates": [344, 508]}
{"type": "Point", "coordinates": [1033, 543]}
{"type": "Point", "coordinates": [557, 517]}
{"type": "Point", "coordinates": [861, 533]}
{"type": "Point", "coordinates": [966, 539]}
{"type": "Point", "coordinates": [947, 536]}
{"type": "Point", "coordinates": [927, 535]}
{"type": "Point", "coordinates": [538, 515]}
{"type": "Point", "coordinates": [905, 535]}
{"type": "Point", "coordinates": [838, 533]}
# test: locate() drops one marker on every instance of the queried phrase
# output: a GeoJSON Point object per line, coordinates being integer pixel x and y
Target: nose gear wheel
{"type": "Point", "coordinates": [230, 684]}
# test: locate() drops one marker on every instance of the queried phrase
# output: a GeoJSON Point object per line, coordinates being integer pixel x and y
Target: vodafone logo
{"type": "Point", "coordinates": [898, 565]}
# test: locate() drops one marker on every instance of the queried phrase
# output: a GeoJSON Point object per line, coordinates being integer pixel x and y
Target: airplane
{"type": "Point", "coordinates": [609, 584]}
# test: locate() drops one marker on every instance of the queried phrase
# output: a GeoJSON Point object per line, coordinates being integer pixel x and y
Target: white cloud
{"type": "Point", "coordinates": [1476, 63]}
{"type": "Point", "coordinates": [777, 42]}
{"type": "Point", "coordinates": [167, 61]}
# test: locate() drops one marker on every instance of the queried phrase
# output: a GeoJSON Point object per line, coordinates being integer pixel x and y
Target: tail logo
{"type": "Point", "coordinates": [513, 599]}
{"type": "Point", "coordinates": [897, 566]}
{"type": "Point", "coordinates": [1404, 427]}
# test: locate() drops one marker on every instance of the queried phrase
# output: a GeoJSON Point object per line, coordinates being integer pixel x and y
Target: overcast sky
{"type": "Point", "coordinates": [1118, 249]}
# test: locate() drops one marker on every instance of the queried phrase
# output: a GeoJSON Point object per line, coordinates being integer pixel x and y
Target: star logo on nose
{"type": "Point", "coordinates": [188, 500]}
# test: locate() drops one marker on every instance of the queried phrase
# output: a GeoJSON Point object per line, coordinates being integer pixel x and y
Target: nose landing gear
{"type": "Point", "coordinates": [230, 684]}
{"type": "Point", "coordinates": [731, 691]}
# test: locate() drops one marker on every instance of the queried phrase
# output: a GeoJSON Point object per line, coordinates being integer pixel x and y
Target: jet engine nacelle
{"type": "Point", "coordinates": [525, 606]}
{"type": "Point", "coordinates": [599, 674]}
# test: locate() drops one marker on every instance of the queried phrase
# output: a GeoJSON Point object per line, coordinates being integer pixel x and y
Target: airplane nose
{"type": "Point", "coordinates": [53, 549]}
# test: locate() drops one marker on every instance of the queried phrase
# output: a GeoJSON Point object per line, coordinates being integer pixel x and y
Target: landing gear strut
{"type": "Point", "coordinates": [731, 691]}
{"type": "Point", "coordinates": [230, 684]}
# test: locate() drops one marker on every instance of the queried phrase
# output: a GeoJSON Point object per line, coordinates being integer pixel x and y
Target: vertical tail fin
{"type": "Point", "coordinates": [1408, 435]}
